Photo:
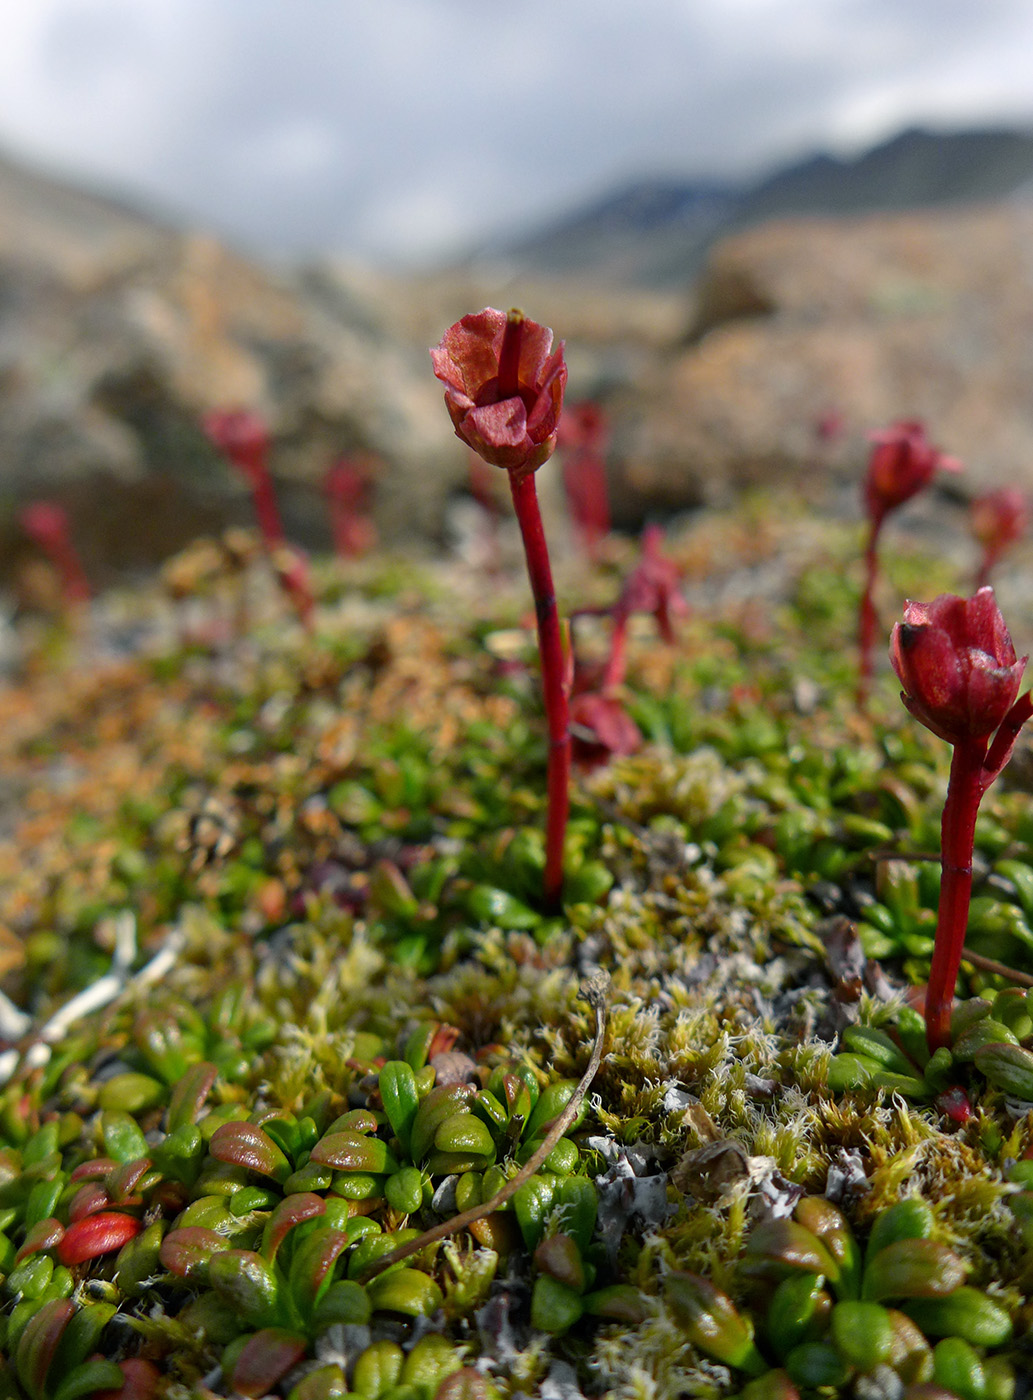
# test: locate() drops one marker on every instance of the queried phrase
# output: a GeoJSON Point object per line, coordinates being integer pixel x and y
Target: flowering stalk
{"type": "Point", "coordinates": [584, 474]}
{"type": "Point", "coordinates": [999, 519]}
{"type": "Point", "coordinates": [901, 464]}
{"type": "Point", "coordinates": [46, 523]}
{"type": "Point", "coordinates": [550, 639]}
{"type": "Point", "coordinates": [244, 438]}
{"type": "Point", "coordinates": [868, 618]}
{"type": "Point", "coordinates": [554, 689]}
{"type": "Point", "coordinates": [504, 393]}
{"type": "Point", "coordinates": [601, 726]}
{"type": "Point", "coordinates": [292, 574]}
{"type": "Point", "coordinates": [347, 486]}
{"type": "Point", "coordinates": [957, 841]}
{"type": "Point", "coordinates": [961, 678]}
{"type": "Point", "coordinates": [653, 587]}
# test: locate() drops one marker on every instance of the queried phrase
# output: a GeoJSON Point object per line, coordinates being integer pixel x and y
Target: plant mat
{"type": "Point", "coordinates": [299, 859]}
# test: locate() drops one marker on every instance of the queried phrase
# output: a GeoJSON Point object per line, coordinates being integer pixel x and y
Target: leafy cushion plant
{"type": "Point", "coordinates": [347, 1016]}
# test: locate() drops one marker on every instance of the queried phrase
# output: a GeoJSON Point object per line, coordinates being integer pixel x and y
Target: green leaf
{"type": "Point", "coordinates": [400, 1098]}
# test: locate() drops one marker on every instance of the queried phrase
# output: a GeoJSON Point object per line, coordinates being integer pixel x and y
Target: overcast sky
{"type": "Point", "coordinates": [407, 128]}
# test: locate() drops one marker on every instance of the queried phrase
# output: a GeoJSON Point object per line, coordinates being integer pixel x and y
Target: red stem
{"type": "Point", "coordinates": [74, 584]}
{"type": "Point", "coordinates": [868, 618]}
{"type": "Point", "coordinates": [550, 649]}
{"type": "Point", "coordinates": [344, 520]}
{"type": "Point", "coordinates": [966, 787]}
{"type": "Point", "coordinates": [990, 557]}
{"type": "Point", "coordinates": [267, 510]}
{"type": "Point", "coordinates": [617, 663]}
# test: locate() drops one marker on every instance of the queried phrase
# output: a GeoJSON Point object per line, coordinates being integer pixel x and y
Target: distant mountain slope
{"type": "Point", "coordinates": [632, 234]}
{"type": "Point", "coordinates": [914, 170]}
{"type": "Point", "coordinates": [48, 220]}
{"type": "Point", "coordinates": [657, 232]}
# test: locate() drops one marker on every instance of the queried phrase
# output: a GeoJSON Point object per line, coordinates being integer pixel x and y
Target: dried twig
{"type": "Point", "coordinates": [1002, 969]}
{"type": "Point", "coordinates": [594, 991]}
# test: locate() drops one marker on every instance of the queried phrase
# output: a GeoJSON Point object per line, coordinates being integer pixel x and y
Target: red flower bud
{"type": "Point", "coordinates": [998, 520]}
{"type": "Point", "coordinates": [957, 665]}
{"type": "Point", "coordinates": [830, 426]}
{"type": "Point", "coordinates": [347, 487]}
{"type": "Point", "coordinates": [243, 437]}
{"type": "Point", "coordinates": [504, 389]}
{"type": "Point", "coordinates": [1000, 517]}
{"type": "Point", "coordinates": [46, 523]}
{"type": "Point", "coordinates": [902, 462]}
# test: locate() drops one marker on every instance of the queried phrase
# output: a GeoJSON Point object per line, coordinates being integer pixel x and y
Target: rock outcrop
{"type": "Point", "coordinates": [117, 333]}
{"type": "Point", "coordinates": [907, 316]}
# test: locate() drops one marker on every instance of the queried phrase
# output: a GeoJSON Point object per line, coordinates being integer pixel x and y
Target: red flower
{"type": "Point", "coordinates": [902, 462]}
{"type": "Point", "coordinates": [999, 519]}
{"type": "Point", "coordinates": [830, 426]}
{"type": "Point", "coordinates": [347, 481]}
{"type": "Point", "coordinates": [504, 389]}
{"type": "Point", "coordinates": [46, 523]}
{"type": "Point", "coordinates": [243, 437]}
{"type": "Point", "coordinates": [957, 665]}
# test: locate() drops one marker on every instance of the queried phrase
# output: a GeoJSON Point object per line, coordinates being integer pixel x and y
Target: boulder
{"type": "Point", "coordinates": [117, 334]}
{"type": "Point", "coordinates": [878, 318]}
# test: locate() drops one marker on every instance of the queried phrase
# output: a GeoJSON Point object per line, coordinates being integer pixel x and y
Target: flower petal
{"type": "Point", "coordinates": [469, 351]}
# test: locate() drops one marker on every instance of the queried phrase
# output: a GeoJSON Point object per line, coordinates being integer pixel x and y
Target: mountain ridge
{"type": "Point", "coordinates": [658, 231]}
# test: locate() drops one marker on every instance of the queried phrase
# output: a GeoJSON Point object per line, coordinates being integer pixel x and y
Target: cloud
{"type": "Point", "coordinates": [402, 127]}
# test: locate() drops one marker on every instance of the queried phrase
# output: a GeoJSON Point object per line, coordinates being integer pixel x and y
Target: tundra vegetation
{"type": "Point", "coordinates": [365, 1034]}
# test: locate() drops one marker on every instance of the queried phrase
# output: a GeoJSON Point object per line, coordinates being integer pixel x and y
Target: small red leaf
{"type": "Point", "coordinates": [351, 1152]}
{"type": "Point", "coordinates": [291, 1211]}
{"type": "Point", "coordinates": [86, 1171]}
{"type": "Point", "coordinates": [186, 1252]}
{"type": "Point", "coordinates": [266, 1357]}
{"type": "Point", "coordinates": [38, 1343]}
{"type": "Point", "coordinates": [88, 1200]}
{"type": "Point", "coordinates": [245, 1145]}
{"type": "Point", "coordinates": [45, 1234]}
{"type": "Point", "coordinates": [95, 1235]}
{"type": "Point", "coordinates": [954, 1102]}
{"type": "Point", "coordinates": [443, 1039]}
{"type": "Point", "coordinates": [141, 1381]}
{"type": "Point", "coordinates": [122, 1180]}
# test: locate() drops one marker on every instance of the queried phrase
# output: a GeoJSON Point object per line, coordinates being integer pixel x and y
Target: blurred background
{"type": "Point", "coordinates": [763, 227]}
